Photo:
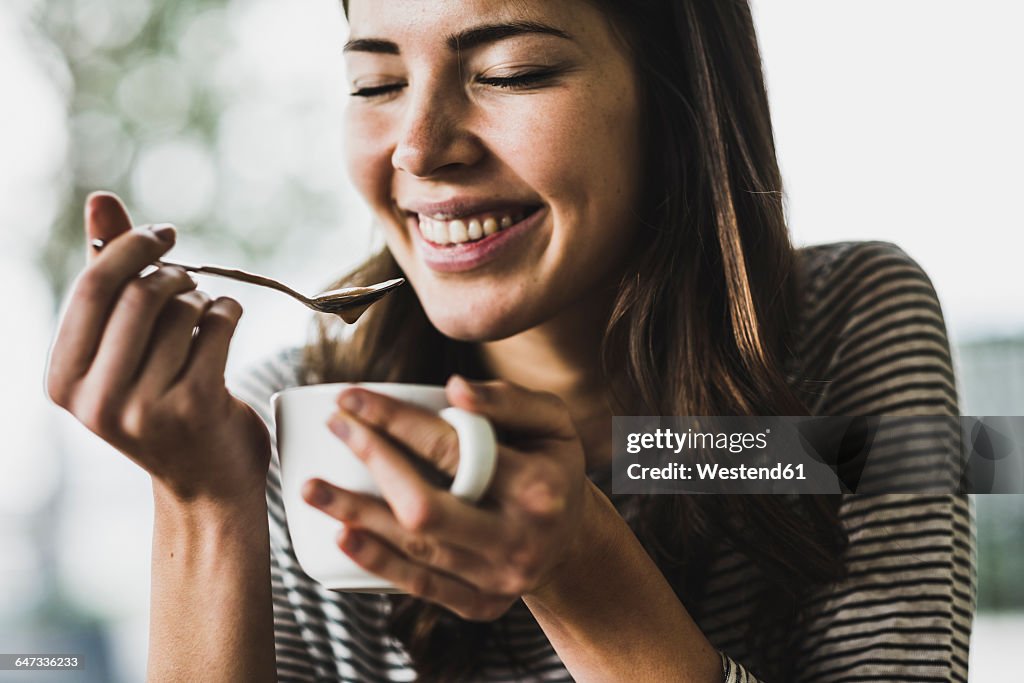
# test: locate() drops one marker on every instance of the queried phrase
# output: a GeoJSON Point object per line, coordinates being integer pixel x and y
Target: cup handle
{"type": "Point", "coordinates": [478, 453]}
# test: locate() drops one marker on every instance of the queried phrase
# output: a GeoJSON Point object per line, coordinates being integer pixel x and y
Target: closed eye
{"type": "Point", "coordinates": [518, 81]}
{"type": "Point", "coordinates": [377, 90]}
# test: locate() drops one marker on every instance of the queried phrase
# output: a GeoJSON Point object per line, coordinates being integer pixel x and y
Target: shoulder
{"type": "Point", "coordinates": [857, 269]}
{"type": "Point", "coordinates": [872, 335]}
{"type": "Point", "coordinates": [256, 383]}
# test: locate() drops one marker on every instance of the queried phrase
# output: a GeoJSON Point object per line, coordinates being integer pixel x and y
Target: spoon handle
{"type": "Point", "coordinates": [240, 275]}
{"type": "Point", "coordinates": [230, 273]}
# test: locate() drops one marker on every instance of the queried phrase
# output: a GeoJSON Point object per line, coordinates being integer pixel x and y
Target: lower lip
{"type": "Point", "coordinates": [456, 258]}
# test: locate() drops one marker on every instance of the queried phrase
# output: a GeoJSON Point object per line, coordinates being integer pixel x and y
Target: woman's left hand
{"type": "Point", "coordinates": [476, 560]}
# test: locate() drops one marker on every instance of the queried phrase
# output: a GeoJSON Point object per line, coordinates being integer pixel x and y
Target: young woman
{"type": "Point", "coordinates": [585, 199]}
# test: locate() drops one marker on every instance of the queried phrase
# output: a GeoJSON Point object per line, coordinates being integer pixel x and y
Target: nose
{"type": "Point", "coordinates": [434, 136]}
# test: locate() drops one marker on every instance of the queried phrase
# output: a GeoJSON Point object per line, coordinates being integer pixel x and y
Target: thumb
{"type": "Point", "coordinates": [105, 218]}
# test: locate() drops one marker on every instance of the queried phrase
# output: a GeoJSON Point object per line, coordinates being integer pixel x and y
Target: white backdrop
{"type": "Point", "coordinates": [902, 121]}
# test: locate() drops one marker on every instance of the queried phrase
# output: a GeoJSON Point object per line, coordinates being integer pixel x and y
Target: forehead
{"type": "Point", "coordinates": [406, 20]}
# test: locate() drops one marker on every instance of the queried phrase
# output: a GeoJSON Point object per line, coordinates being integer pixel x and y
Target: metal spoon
{"type": "Point", "coordinates": [347, 303]}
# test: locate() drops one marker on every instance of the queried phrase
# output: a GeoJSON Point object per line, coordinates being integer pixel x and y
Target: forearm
{"type": "Point", "coordinates": [611, 615]}
{"type": "Point", "coordinates": [211, 614]}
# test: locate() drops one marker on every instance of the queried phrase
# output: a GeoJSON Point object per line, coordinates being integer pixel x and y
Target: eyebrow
{"type": "Point", "coordinates": [464, 40]}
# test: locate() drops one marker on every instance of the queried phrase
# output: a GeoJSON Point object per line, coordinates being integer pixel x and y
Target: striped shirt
{"type": "Point", "coordinates": [871, 338]}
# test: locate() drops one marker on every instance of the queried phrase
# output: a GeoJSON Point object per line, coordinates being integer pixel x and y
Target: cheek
{"type": "Point", "coordinates": [368, 156]}
{"type": "Point", "coordinates": [540, 146]}
{"type": "Point", "coordinates": [586, 160]}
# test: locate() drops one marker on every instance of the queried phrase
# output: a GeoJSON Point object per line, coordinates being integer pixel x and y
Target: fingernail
{"type": "Point", "coordinates": [164, 231]}
{"type": "Point", "coordinates": [352, 402]}
{"type": "Point", "coordinates": [339, 426]}
{"type": "Point", "coordinates": [320, 495]}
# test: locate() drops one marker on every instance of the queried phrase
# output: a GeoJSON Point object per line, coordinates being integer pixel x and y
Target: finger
{"type": "Point", "coordinates": [95, 293]}
{"type": "Point", "coordinates": [171, 341]}
{"type": "Point", "coordinates": [210, 348]}
{"type": "Point", "coordinates": [369, 513]}
{"type": "Point", "coordinates": [105, 218]}
{"type": "Point", "coordinates": [418, 506]}
{"type": "Point", "coordinates": [419, 430]}
{"type": "Point", "coordinates": [513, 409]}
{"type": "Point", "coordinates": [128, 332]}
{"type": "Point", "coordinates": [377, 557]}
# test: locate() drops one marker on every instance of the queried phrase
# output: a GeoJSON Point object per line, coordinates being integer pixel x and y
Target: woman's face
{"type": "Point", "coordinates": [498, 144]}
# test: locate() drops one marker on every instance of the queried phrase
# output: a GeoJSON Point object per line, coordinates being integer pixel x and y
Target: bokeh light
{"type": "Point", "coordinates": [175, 178]}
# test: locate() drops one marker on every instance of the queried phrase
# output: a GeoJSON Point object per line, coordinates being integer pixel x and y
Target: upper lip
{"type": "Point", "coordinates": [457, 207]}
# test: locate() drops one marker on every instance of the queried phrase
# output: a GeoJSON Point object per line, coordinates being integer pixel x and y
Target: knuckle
{"type": "Point", "coordinates": [421, 583]}
{"type": "Point", "coordinates": [559, 411]}
{"type": "Point", "coordinates": [221, 315]}
{"type": "Point", "coordinates": [359, 442]}
{"type": "Point", "coordinates": [345, 508]}
{"type": "Point", "coordinates": [550, 505]}
{"type": "Point", "coordinates": [544, 497]}
{"type": "Point", "coordinates": [146, 244]}
{"type": "Point", "coordinates": [199, 400]}
{"type": "Point", "coordinates": [98, 417]}
{"type": "Point", "coordinates": [226, 307]}
{"type": "Point", "coordinates": [554, 402]}
{"type": "Point", "coordinates": [94, 285]}
{"type": "Point", "coordinates": [215, 316]}
{"type": "Point", "coordinates": [419, 514]}
{"type": "Point", "coordinates": [172, 277]}
{"type": "Point", "coordinates": [522, 558]}
{"type": "Point", "coordinates": [179, 276]}
{"type": "Point", "coordinates": [142, 293]}
{"type": "Point", "coordinates": [418, 548]}
{"type": "Point", "coordinates": [182, 404]}
{"type": "Point", "coordinates": [445, 445]}
{"type": "Point", "coordinates": [485, 608]}
{"type": "Point", "coordinates": [513, 583]}
{"type": "Point", "coordinates": [135, 419]}
{"type": "Point", "coordinates": [191, 304]}
{"type": "Point", "coordinates": [375, 561]}
{"type": "Point", "coordinates": [58, 390]}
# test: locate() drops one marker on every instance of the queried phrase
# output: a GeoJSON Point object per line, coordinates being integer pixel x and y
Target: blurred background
{"type": "Point", "coordinates": [894, 121]}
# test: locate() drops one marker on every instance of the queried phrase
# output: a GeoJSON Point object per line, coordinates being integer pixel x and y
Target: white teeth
{"type": "Point", "coordinates": [441, 234]}
{"type": "Point", "coordinates": [457, 232]}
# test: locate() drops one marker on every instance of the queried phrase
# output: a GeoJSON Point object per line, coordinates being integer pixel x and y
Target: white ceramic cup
{"type": "Point", "coordinates": [308, 449]}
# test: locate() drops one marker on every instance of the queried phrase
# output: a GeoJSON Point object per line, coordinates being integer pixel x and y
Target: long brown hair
{"type": "Point", "coordinates": [701, 325]}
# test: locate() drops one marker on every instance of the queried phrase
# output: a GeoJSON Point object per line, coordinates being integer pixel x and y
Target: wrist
{"type": "Point", "coordinates": [208, 515]}
{"type": "Point", "coordinates": [591, 546]}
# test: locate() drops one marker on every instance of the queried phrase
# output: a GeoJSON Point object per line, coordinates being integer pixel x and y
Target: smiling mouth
{"type": "Point", "coordinates": [470, 228]}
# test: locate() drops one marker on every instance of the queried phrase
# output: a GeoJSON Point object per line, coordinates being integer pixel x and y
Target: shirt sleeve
{"type": "Point", "coordinates": [255, 386]}
{"type": "Point", "coordinates": [905, 607]}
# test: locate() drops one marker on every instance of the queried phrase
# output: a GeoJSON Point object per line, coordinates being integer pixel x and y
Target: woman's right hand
{"type": "Point", "coordinates": [139, 360]}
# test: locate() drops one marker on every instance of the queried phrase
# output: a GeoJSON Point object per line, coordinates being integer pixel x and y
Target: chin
{"type": "Point", "coordinates": [477, 323]}
{"type": "Point", "coordinates": [470, 328]}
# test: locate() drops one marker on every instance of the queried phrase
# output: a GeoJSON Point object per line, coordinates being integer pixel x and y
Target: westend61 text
{"type": "Point", "coordinates": [713, 471]}
{"type": "Point", "coordinates": [667, 439]}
